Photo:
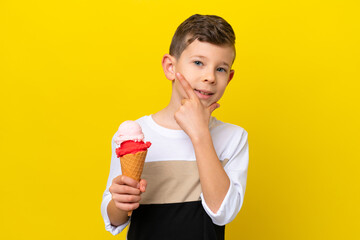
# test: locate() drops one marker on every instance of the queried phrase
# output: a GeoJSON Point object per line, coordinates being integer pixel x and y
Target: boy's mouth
{"type": "Point", "coordinates": [204, 92]}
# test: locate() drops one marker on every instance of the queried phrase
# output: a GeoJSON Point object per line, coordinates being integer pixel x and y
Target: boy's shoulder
{"type": "Point", "coordinates": [143, 119]}
{"type": "Point", "coordinates": [225, 127]}
{"type": "Point", "coordinates": [227, 135]}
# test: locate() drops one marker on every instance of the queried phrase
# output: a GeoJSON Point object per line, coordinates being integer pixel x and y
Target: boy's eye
{"type": "Point", "coordinates": [221, 69]}
{"type": "Point", "coordinates": [198, 63]}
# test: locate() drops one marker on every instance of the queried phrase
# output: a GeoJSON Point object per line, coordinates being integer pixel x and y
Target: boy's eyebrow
{"type": "Point", "coordinates": [200, 56]}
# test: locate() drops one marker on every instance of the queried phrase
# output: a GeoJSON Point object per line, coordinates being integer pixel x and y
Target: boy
{"type": "Point", "coordinates": [195, 172]}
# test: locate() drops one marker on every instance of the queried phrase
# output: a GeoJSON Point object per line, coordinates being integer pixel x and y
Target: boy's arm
{"type": "Point", "coordinates": [193, 118]}
{"type": "Point", "coordinates": [117, 217]}
{"type": "Point", "coordinates": [215, 182]}
{"type": "Point", "coordinates": [112, 216]}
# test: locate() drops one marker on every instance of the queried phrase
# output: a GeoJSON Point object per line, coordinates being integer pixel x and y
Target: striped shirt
{"type": "Point", "coordinates": [173, 206]}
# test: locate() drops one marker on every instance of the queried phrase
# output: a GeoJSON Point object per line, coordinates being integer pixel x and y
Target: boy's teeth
{"type": "Point", "coordinates": [203, 93]}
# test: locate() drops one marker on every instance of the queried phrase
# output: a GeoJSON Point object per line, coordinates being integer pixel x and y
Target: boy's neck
{"type": "Point", "coordinates": [165, 117]}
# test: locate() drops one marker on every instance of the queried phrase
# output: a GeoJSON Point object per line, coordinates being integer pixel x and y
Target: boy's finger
{"type": "Point", "coordinates": [124, 180]}
{"type": "Point", "coordinates": [213, 106]}
{"type": "Point", "coordinates": [186, 86]}
{"type": "Point", "coordinates": [127, 206]}
{"type": "Point", "coordinates": [183, 101]}
{"type": "Point", "coordinates": [143, 184]}
{"type": "Point", "coordinates": [124, 189]}
{"type": "Point", "coordinates": [126, 198]}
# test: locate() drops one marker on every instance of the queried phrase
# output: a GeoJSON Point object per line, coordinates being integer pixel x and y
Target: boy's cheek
{"type": "Point", "coordinates": [181, 90]}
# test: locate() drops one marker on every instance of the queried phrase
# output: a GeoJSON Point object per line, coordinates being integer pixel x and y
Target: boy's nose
{"type": "Point", "coordinates": [209, 77]}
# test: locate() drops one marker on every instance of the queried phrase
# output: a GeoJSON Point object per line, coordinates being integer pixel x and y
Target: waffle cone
{"type": "Point", "coordinates": [132, 164]}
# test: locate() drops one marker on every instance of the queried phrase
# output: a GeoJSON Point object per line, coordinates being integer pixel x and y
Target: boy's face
{"type": "Point", "coordinates": [207, 68]}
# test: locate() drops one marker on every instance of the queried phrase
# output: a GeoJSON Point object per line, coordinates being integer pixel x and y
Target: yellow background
{"type": "Point", "coordinates": [72, 71]}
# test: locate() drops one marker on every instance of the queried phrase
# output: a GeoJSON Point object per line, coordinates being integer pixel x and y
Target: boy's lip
{"type": "Point", "coordinates": [199, 93]}
{"type": "Point", "coordinates": [203, 90]}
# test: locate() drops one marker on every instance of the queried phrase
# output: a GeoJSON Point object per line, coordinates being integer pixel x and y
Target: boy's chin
{"type": "Point", "coordinates": [206, 103]}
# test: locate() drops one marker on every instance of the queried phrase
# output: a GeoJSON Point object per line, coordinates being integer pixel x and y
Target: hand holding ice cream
{"type": "Point", "coordinates": [132, 150]}
{"type": "Point", "coordinates": [126, 194]}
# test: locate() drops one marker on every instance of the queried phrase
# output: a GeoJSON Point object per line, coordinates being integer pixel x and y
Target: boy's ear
{"type": "Point", "coordinates": [232, 72]}
{"type": "Point", "coordinates": [168, 64]}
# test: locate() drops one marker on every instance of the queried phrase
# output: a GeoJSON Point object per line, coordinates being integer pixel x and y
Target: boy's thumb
{"type": "Point", "coordinates": [213, 107]}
